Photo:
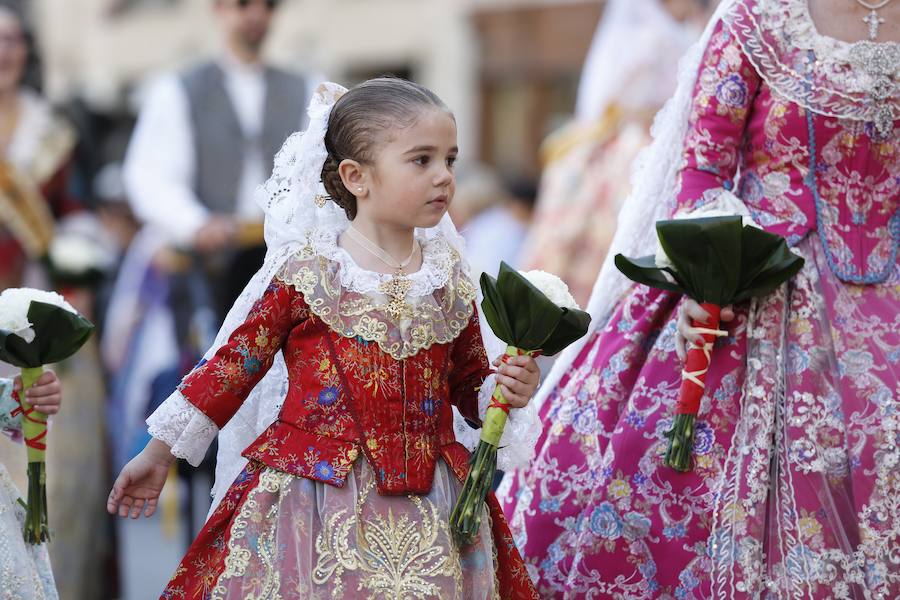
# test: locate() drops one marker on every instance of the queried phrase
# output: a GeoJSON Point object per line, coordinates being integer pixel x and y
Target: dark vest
{"type": "Point", "coordinates": [220, 142]}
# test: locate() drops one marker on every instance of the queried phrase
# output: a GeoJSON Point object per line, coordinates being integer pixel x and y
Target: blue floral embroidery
{"type": "Point", "coordinates": [635, 420]}
{"type": "Point", "coordinates": [252, 365]}
{"type": "Point", "coordinates": [751, 189]}
{"type": "Point", "coordinates": [549, 505]}
{"type": "Point", "coordinates": [674, 531]}
{"type": "Point", "coordinates": [605, 522]}
{"type": "Point", "coordinates": [429, 406]}
{"type": "Point", "coordinates": [636, 527]}
{"type": "Point", "coordinates": [732, 91]}
{"type": "Point", "coordinates": [854, 363]}
{"type": "Point", "coordinates": [328, 396]}
{"type": "Point", "coordinates": [704, 438]}
{"type": "Point", "coordinates": [324, 470]}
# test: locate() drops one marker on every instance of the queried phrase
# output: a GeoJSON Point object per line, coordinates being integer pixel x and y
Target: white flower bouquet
{"type": "Point", "coordinates": [37, 328]}
{"type": "Point", "coordinates": [534, 313]}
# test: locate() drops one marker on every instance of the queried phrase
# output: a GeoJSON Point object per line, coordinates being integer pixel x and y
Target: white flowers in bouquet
{"type": "Point", "coordinates": [14, 305]}
{"type": "Point", "coordinates": [553, 287]}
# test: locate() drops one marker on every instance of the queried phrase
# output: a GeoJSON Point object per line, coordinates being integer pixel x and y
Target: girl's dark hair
{"type": "Point", "coordinates": [372, 107]}
{"type": "Point", "coordinates": [31, 75]}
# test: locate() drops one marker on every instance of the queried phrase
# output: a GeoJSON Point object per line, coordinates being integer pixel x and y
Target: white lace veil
{"type": "Point", "coordinates": [637, 79]}
{"type": "Point", "coordinates": [654, 182]}
{"type": "Point", "coordinates": [293, 201]}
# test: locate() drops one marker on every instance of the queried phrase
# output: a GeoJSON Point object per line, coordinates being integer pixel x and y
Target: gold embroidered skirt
{"type": "Point", "coordinates": [288, 537]}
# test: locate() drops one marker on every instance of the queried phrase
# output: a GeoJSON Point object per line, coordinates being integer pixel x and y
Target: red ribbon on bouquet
{"type": "Point", "coordinates": [696, 364]}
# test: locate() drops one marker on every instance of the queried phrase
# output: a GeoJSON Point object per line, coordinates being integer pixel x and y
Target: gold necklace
{"type": "Point", "coordinates": [398, 286]}
{"type": "Point", "coordinates": [379, 253]}
{"type": "Point", "coordinates": [872, 19]}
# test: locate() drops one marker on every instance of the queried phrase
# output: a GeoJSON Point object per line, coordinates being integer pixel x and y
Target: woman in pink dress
{"type": "Point", "coordinates": [795, 491]}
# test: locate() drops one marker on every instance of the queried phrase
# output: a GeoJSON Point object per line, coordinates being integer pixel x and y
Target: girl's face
{"type": "Point", "coordinates": [13, 51]}
{"type": "Point", "coordinates": [411, 181]}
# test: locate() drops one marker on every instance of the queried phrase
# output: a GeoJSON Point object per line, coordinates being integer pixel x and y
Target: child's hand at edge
{"type": "Point", "coordinates": [45, 395]}
{"type": "Point", "coordinates": [138, 486]}
{"type": "Point", "coordinates": [518, 379]}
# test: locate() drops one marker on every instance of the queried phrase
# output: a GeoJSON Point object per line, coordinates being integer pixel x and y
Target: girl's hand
{"type": "Point", "coordinates": [518, 379]}
{"type": "Point", "coordinates": [690, 309]}
{"type": "Point", "coordinates": [138, 486]}
{"type": "Point", "coordinates": [45, 395]}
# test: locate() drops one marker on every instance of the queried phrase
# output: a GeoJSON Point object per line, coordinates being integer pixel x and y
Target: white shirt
{"type": "Point", "coordinates": [160, 164]}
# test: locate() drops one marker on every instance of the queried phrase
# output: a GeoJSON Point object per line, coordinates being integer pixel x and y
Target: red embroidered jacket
{"type": "Point", "coordinates": [345, 396]}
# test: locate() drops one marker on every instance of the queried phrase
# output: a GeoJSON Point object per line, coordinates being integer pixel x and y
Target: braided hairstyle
{"type": "Point", "coordinates": [358, 117]}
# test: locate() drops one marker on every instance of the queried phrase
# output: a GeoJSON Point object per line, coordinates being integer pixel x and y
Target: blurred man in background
{"type": "Point", "coordinates": [205, 139]}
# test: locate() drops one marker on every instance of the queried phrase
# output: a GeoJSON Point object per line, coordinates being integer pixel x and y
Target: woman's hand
{"type": "Point", "coordinates": [138, 486]}
{"type": "Point", "coordinates": [690, 309]}
{"type": "Point", "coordinates": [45, 395]}
{"type": "Point", "coordinates": [518, 379]}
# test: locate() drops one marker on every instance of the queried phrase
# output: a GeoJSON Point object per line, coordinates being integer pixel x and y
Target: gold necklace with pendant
{"type": "Point", "coordinates": [398, 286]}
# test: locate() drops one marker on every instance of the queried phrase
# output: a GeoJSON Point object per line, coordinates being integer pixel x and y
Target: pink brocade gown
{"type": "Point", "coordinates": [796, 491]}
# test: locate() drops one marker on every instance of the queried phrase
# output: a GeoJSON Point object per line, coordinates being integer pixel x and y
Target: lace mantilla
{"type": "Point", "coordinates": [352, 302]}
{"type": "Point", "coordinates": [858, 81]}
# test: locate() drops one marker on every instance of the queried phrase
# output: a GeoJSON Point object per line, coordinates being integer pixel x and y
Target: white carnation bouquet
{"type": "Point", "coordinates": [37, 328]}
{"type": "Point", "coordinates": [534, 313]}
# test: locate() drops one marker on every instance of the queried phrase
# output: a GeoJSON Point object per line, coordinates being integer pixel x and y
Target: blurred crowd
{"type": "Point", "coordinates": [153, 232]}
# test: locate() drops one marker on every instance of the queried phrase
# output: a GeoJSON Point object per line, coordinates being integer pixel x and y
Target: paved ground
{"type": "Point", "coordinates": [150, 549]}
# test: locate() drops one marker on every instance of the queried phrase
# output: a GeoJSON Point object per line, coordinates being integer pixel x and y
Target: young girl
{"type": "Point", "coordinates": [24, 569]}
{"type": "Point", "coordinates": [340, 363]}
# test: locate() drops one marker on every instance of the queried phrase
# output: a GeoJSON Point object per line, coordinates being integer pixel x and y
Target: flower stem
{"type": "Point", "coordinates": [681, 443]}
{"type": "Point", "coordinates": [34, 428]}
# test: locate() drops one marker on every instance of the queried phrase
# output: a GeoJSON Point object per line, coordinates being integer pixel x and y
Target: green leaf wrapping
{"type": "Point", "coordinates": [644, 270]}
{"type": "Point", "coordinates": [522, 316]}
{"type": "Point", "coordinates": [572, 325]}
{"type": "Point", "coordinates": [766, 262]}
{"type": "Point", "coordinates": [59, 333]}
{"type": "Point", "coordinates": [706, 254]}
{"type": "Point", "coordinates": [494, 309]}
{"type": "Point", "coordinates": [532, 315]}
{"type": "Point", "coordinates": [715, 260]}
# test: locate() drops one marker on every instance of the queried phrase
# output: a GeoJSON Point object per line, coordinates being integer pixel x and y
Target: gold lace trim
{"type": "Point", "coordinates": [399, 558]}
{"type": "Point", "coordinates": [400, 325]}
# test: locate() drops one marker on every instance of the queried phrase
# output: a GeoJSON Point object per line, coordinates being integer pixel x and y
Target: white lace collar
{"type": "Point", "coordinates": [438, 261]}
{"type": "Point", "coordinates": [356, 303]}
{"type": "Point", "coordinates": [850, 80]}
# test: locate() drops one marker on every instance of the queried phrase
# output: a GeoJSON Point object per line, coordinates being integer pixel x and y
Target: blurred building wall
{"type": "Point", "coordinates": [513, 62]}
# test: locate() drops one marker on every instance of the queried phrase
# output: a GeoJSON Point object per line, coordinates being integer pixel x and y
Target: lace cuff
{"type": "Point", "coordinates": [181, 425]}
{"type": "Point", "coordinates": [715, 200]}
{"type": "Point", "coordinates": [519, 436]}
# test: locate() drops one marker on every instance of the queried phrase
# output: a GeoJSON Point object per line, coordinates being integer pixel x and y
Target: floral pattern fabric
{"type": "Point", "coordinates": [794, 490]}
{"type": "Point", "coordinates": [799, 171]}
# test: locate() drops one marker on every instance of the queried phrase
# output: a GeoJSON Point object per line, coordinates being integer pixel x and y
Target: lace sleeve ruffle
{"type": "Point", "coordinates": [519, 436]}
{"type": "Point", "coordinates": [183, 427]}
